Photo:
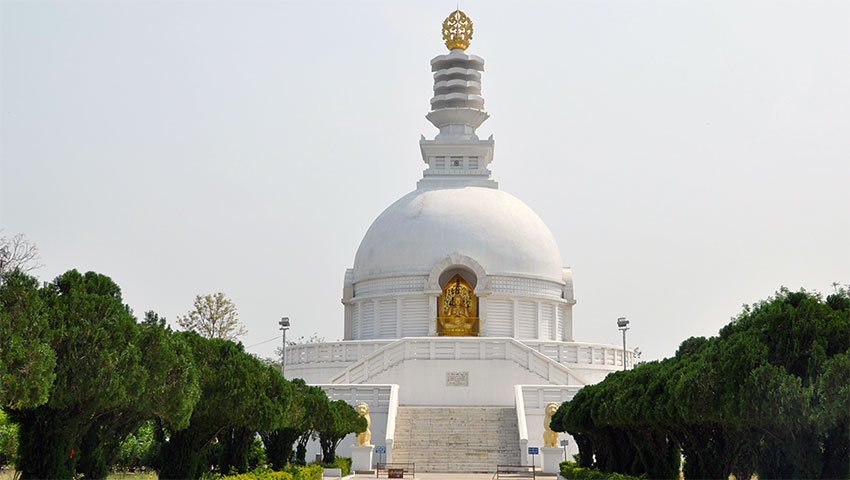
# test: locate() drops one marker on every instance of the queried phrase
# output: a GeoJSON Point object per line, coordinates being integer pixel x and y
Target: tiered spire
{"type": "Point", "coordinates": [456, 155]}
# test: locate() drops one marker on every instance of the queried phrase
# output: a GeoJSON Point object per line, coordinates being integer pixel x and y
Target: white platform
{"type": "Point", "coordinates": [361, 458]}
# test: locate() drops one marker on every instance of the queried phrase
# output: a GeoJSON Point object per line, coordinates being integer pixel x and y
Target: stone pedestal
{"type": "Point", "coordinates": [552, 458]}
{"type": "Point", "coordinates": [361, 458]}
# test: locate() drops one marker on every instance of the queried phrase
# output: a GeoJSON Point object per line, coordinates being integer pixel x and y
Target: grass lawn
{"type": "Point", "coordinates": [133, 476]}
{"type": "Point", "coordinates": [9, 474]}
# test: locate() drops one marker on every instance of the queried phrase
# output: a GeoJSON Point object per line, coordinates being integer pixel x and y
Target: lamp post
{"type": "Point", "coordinates": [623, 324]}
{"type": "Point", "coordinates": [284, 325]}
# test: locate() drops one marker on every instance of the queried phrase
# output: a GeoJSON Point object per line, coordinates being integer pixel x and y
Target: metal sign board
{"type": "Point", "coordinates": [380, 449]}
{"type": "Point", "coordinates": [395, 473]}
{"type": "Point", "coordinates": [564, 443]}
{"type": "Point", "coordinates": [533, 450]}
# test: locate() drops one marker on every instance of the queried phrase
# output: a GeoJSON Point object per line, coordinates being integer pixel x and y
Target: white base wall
{"type": "Point", "coordinates": [315, 373]}
{"type": "Point", "coordinates": [489, 382]}
{"type": "Point", "coordinates": [533, 401]}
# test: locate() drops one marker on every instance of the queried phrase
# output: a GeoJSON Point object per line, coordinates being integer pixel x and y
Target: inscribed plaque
{"type": "Point", "coordinates": [457, 379]}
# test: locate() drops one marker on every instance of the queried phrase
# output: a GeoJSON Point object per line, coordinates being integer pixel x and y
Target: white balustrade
{"type": "Point", "coordinates": [349, 352]}
{"type": "Point", "coordinates": [457, 348]}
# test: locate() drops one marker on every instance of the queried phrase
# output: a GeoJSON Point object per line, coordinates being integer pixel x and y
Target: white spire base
{"type": "Point", "coordinates": [456, 163]}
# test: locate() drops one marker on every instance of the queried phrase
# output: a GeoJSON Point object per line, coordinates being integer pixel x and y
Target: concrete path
{"type": "Point", "coordinates": [453, 476]}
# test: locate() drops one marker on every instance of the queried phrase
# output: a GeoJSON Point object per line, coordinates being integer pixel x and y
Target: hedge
{"type": "Point", "coordinates": [343, 463]}
{"type": "Point", "coordinates": [309, 472]}
{"type": "Point", "coordinates": [571, 471]}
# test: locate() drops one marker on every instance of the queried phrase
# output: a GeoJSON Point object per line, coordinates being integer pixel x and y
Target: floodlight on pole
{"type": "Point", "coordinates": [623, 324]}
{"type": "Point", "coordinates": [284, 325]}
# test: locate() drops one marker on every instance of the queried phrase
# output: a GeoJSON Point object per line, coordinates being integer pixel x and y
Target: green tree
{"type": "Point", "coordinates": [140, 448]}
{"type": "Point", "coordinates": [166, 388]}
{"type": "Point", "coordinates": [94, 337]}
{"type": "Point", "coordinates": [108, 374]}
{"type": "Point", "coordinates": [8, 440]}
{"type": "Point", "coordinates": [768, 395]}
{"type": "Point", "coordinates": [238, 392]}
{"type": "Point", "coordinates": [214, 316]}
{"type": "Point", "coordinates": [334, 424]}
{"type": "Point", "coordinates": [27, 360]}
{"type": "Point", "coordinates": [279, 442]}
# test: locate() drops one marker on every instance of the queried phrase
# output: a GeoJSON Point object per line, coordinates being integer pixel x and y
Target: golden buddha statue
{"type": "Point", "coordinates": [458, 309]}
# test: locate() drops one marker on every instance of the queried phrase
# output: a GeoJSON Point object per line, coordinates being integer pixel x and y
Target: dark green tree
{"type": "Point", "coordinates": [237, 392]}
{"type": "Point", "coordinates": [166, 388]}
{"type": "Point", "coordinates": [27, 360]}
{"type": "Point", "coordinates": [95, 340]}
{"type": "Point", "coordinates": [279, 442]}
{"type": "Point", "coordinates": [768, 395]}
{"type": "Point", "coordinates": [334, 424]}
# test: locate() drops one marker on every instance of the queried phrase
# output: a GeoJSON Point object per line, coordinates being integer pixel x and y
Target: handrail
{"type": "Point", "coordinates": [379, 360]}
{"type": "Point", "coordinates": [351, 351]}
{"type": "Point", "coordinates": [522, 426]}
{"type": "Point", "coordinates": [392, 412]}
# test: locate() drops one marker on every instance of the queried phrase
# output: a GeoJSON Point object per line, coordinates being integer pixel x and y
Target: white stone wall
{"type": "Point", "coordinates": [463, 383]}
{"type": "Point", "coordinates": [531, 400]}
{"type": "Point", "coordinates": [398, 307]}
{"type": "Point", "coordinates": [321, 362]}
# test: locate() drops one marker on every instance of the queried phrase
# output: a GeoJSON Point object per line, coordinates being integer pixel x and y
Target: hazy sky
{"type": "Point", "coordinates": [688, 156]}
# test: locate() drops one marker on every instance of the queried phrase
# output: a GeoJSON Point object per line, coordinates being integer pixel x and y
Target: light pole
{"type": "Point", "coordinates": [284, 325]}
{"type": "Point", "coordinates": [623, 324]}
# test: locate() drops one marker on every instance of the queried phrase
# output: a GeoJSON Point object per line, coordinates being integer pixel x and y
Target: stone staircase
{"type": "Point", "coordinates": [456, 439]}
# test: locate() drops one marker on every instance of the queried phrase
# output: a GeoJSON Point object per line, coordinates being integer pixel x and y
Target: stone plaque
{"type": "Point", "coordinates": [457, 379]}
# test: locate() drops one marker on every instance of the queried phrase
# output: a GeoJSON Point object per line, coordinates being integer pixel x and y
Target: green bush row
{"type": "Point", "coordinates": [308, 472]}
{"type": "Point", "coordinates": [343, 463]}
{"type": "Point", "coordinates": [767, 396]}
{"type": "Point", "coordinates": [571, 471]}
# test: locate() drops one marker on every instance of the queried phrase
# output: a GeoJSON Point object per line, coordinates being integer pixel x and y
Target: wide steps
{"type": "Point", "coordinates": [456, 439]}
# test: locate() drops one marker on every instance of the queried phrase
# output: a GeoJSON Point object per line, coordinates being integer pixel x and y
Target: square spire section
{"type": "Point", "coordinates": [456, 156]}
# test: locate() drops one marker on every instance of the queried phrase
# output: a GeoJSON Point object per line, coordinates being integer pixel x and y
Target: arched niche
{"type": "Point", "coordinates": [468, 275]}
{"type": "Point", "coordinates": [448, 267]}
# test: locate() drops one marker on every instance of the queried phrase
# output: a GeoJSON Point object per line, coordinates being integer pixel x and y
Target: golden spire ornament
{"type": "Point", "coordinates": [457, 30]}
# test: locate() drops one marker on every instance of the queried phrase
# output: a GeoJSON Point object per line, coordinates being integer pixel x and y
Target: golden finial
{"type": "Point", "coordinates": [457, 30]}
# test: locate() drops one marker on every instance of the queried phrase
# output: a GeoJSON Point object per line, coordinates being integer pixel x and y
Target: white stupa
{"type": "Point", "coordinates": [457, 300]}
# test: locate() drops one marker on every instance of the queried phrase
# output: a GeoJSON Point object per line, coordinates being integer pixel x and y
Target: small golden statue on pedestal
{"type": "Point", "coordinates": [457, 309]}
{"type": "Point", "coordinates": [364, 438]}
{"type": "Point", "coordinates": [550, 437]}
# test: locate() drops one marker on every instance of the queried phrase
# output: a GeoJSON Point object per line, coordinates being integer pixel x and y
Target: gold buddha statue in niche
{"type": "Point", "coordinates": [457, 306]}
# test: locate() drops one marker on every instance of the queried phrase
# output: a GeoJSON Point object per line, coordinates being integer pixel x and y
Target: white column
{"type": "Point", "coordinates": [540, 320]}
{"type": "Point", "coordinates": [376, 319]}
{"type": "Point", "coordinates": [516, 319]}
{"type": "Point", "coordinates": [398, 319]}
{"type": "Point", "coordinates": [432, 315]}
{"type": "Point", "coordinates": [482, 313]}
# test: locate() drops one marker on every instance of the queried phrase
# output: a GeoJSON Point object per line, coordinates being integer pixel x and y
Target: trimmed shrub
{"type": "Point", "coordinates": [572, 471]}
{"type": "Point", "coordinates": [343, 463]}
{"type": "Point", "coordinates": [309, 472]}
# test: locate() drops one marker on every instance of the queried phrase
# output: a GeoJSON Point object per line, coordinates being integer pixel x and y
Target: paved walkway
{"type": "Point", "coordinates": [454, 476]}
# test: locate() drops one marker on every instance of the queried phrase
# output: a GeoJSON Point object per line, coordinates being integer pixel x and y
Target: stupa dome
{"type": "Point", "coordinates": [494, 228]}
